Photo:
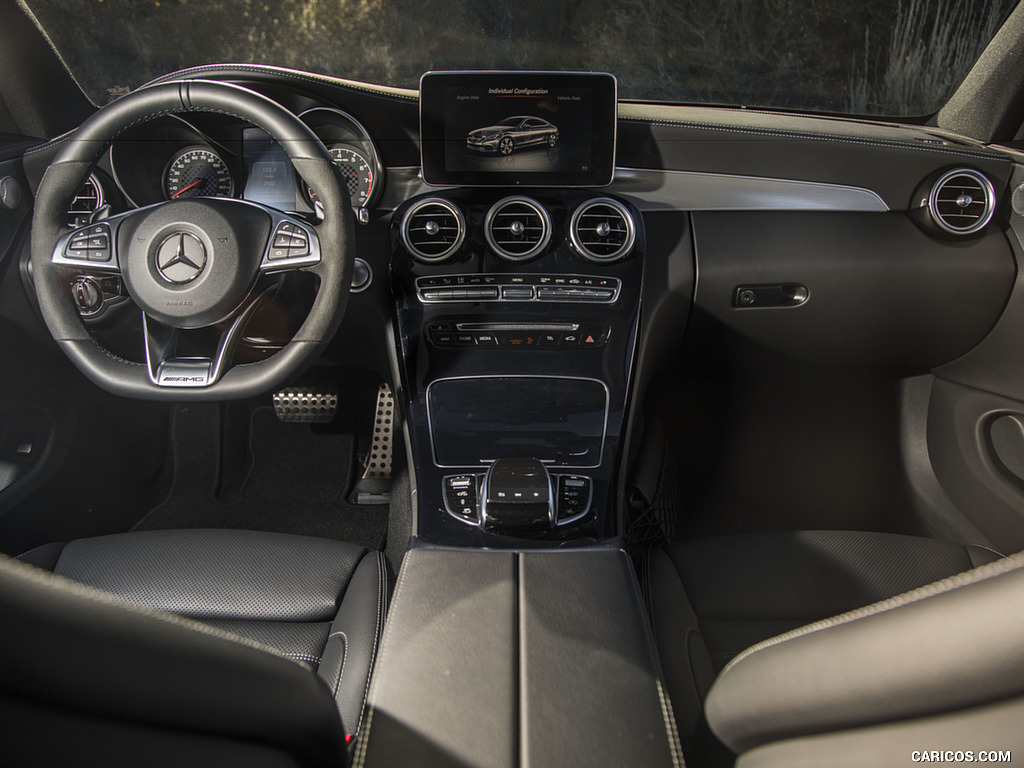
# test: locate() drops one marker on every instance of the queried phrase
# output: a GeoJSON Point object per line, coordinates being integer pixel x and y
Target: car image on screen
{"type": "Point", "coordinates": [512, 133]}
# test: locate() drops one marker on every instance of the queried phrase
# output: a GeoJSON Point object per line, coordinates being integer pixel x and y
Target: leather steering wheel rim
{"type": "Point", "coordinates": [68, 171]}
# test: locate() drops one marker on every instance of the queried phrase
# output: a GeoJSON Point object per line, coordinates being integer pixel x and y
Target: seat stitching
{"type": "Point", "coordinates": [344, 660]}
{"type": "Point", "coordinates": [968, 578]}
{"type": "Point", "coordinates": [303, 656]}
{"type": "Point", "coordinates": [381, 588]}
{"type": "Point", "coordinates": [48, 579]}
{"type": "Point", "coordinates": [675, 748]}
{"type": "Point", "coordinates": [360, 756]}
{"type": "Point", "coordinates": [360, 749]}
{"type": "Point", "coordinates": [987, 549]}
{"type": "Point", "coordinates": [671, 733]}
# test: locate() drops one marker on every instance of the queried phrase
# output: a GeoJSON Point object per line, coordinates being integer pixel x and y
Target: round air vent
{"type": "Point", "coordinates": [433, 229]}
{"type": "Point", "coordinates": [962, 201]}
{"type": "Point", "coordinates": [602, 230]}
{"type": "Point", "coordinates": [517, 228]}
{"type": "Point", "coordinates": [88, 200]}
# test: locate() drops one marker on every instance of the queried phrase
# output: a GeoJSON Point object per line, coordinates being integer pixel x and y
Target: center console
{"type": "Point", "coordinates": [517, 634]}
{"type": "Point", "coordinates": [561, 669]}
{"type": "Point", "coordinates": [517, 295]}
{"type": "Point", "coordinates": [516, 321]}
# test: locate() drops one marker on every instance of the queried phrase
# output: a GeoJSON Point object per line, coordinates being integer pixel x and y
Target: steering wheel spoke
{"type": "Point", "coordinates": [167, 369]}
{"type": "Point", "coordinates": [293, 244]}
{"type": "Point", "coordinates": [92, 247]}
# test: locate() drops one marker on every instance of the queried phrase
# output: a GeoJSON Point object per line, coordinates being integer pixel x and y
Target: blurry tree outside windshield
{"type": "Point", "coordinates": [859, 56]}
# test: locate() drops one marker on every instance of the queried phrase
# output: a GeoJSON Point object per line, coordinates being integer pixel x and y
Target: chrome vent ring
{"type": "Point", "coordinates": [433, 229]}
{"type": "Point", "coordinates": [517, 228]}
{"type": "Point", "coordinates": [602, 230]}
{"type": "Point", "coordinates": [962, 201]}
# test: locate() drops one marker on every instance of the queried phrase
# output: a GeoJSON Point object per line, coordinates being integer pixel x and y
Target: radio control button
{"type": "Point", "coordinates": [486, 340]}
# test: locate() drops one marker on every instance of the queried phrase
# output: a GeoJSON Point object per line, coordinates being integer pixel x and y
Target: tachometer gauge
{"type": "Point", "coordinates": [357, 170]}
{"type": "Point", "coordinates": [198, 171]}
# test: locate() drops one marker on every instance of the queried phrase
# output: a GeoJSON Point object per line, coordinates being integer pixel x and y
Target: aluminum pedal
{"type": "Point", "coordinates": [378, 460]}
{"type": "Point", "coordinates": [374, 486]}
{"type": "Point", "coordinates": [306, 405]}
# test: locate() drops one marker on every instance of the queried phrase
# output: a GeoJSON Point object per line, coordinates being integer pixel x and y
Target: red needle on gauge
{"type": "Point", "coordinates": [186, 189]}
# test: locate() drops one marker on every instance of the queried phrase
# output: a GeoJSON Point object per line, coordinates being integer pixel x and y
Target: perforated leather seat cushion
{"type": "Point", "coordinates": [318, 601]}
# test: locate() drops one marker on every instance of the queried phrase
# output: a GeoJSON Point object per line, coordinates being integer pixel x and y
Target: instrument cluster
{"type": "Point", "coordinates": [210, 155]}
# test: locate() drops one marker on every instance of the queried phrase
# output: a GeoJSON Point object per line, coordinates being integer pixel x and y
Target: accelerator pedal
{"type": "Point", "coordinates": [306, 405]}
{"type": "Point", "coordinates": [374, 486]}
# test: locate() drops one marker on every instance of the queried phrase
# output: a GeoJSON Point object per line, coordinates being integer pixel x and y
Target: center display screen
{"type": "Point", "coordinates": [518, 128]}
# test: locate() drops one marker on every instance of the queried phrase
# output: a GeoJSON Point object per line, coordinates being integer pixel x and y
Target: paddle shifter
{"type": "Point", "coordinates": [517, 496]}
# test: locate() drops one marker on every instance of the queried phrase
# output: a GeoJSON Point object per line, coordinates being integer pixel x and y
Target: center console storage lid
{"type": "Point", "coordinates": [497, 658]}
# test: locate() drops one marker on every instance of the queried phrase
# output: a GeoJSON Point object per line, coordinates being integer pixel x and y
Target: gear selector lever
{"type": "Point", "coordinates": [517, 496]}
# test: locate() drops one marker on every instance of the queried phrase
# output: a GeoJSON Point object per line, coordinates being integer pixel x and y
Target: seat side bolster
{"type": "Point", "coordinates": [981, 555]}
{"type": "Point", "coordinates": [153, 669]}
{"type": "Point", "coordinates": [991, 729]}
{"type": "Point", "coordinates": [685, 661]}
{"type": "Point", "coordinates": [44, 556]}
{"type": "Point", "coordinates": [948, 646]}
{"type": "Point", "coordinates": [217, 574]}
{"type": "Point", "coordinates": [354, 637]}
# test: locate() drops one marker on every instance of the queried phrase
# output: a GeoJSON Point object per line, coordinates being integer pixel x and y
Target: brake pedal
{"type": "Point", "coordinates": [306, 404]}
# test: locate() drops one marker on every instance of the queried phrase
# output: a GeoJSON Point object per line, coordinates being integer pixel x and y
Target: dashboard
{"type": "Point", "coordinates": [519, 316]}
{"type": "Point", "coordinates": [832, 210]}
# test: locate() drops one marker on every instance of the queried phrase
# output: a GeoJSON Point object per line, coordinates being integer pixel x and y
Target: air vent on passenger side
{"type": "Point", "coordinates": [602, 230]}
{"type": "Point", "coordinates": [517, 228]}
{"type": "Point", "coordinates": [88, 200]}
{"type": "Point", "coordinates": [962, 201]}
{"type": "Point", "coordinates": [433, 229]}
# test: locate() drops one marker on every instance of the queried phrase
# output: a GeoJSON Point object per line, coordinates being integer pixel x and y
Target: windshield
{"type": "Point", "coordinates": [853, 56]}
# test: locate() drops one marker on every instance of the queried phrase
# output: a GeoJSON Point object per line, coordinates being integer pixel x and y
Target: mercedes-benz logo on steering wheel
{"type": "Point", "coordinates": [181, 258]}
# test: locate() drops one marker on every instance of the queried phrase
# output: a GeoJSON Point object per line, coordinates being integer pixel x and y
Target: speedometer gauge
{"type": "Point", "coordinates": [357, 172]}
{"type": "Point", "coordinates": [198, 171]}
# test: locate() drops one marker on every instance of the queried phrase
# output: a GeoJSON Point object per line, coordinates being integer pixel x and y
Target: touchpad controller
{"type": "Point", "coordinates": [517, 495]}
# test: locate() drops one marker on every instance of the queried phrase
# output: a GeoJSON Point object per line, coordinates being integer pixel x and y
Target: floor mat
{"type": "Point", "coordinates": [236, 467]}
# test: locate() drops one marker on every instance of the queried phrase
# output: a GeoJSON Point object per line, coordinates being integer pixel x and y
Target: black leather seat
{"type": "Point", "coordinates": [201, 641]}
{"type": "Point", "coordinates": [711, 599]}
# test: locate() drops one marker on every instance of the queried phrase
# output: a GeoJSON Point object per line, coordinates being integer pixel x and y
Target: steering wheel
{"type": "Point", "coordinates": [192, 263]}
